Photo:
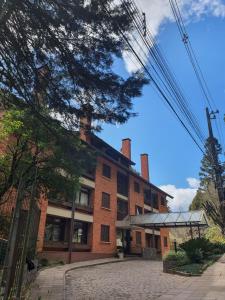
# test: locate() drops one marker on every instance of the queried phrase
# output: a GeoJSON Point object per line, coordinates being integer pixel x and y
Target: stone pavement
{"type": "Point", "coordinates": [144, 280]}
{"type": "Point", "coordinates": [50, 282]}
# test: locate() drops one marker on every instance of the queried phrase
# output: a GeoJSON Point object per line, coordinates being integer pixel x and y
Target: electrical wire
{"type": "Point", "coordinates": [157, 85]}
{"type": "Point", "coordinates": [195, 64]}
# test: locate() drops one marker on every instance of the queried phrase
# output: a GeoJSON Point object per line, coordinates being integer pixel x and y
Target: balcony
{"type": "Point", "coordinates": [84, 208]}
{"type": "Point", "coordinates": [64, 246]}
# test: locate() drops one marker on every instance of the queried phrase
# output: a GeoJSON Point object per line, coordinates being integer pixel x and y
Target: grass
{"type": "Point", "coordinates": [194, 269]}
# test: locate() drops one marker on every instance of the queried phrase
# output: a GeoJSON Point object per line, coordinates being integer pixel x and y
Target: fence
{"type": "Point", "coordinates": [19, 221]}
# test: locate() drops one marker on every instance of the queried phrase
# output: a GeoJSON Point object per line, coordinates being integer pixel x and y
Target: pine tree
{"type": "Point", "coordinates": [62, 52]}
{"type": "Point", "coordinates": [207, 196]}
{"type": "Point", "coordinates": [207, 169]}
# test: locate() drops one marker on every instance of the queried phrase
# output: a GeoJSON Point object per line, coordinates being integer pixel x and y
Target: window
{"type": "Point", "coordinates": [165, 241]}
{"type": "Point", "coordinates": [106, 171]}
{"type": "Point", "coordinates": [147, 197]}
{"type": "Point", "coordinates": [122, 209]}
{"type": "Point", "coordinates": [80, 233]}
{"type": "Point", "coordinates": [138, 238]}
{"type": "Point", "coordinates": [138, 210]}
{"type": "Point", "coordinates": [163, 201]}
{"type": "Point", "coordinates": [82, 198]}
{"type": "Point", "coordinates": [155, 203]}
{"type": "Point", "coordinates": [136, 187]}
{"type": "Point", "coordinates": [105, 200]}
{"type": "Point", "coordinates": [122, 184]}
{"type": "Point", "coordinates": [54, 229]}
{"type": "Point", "coordinates": [105, 233]}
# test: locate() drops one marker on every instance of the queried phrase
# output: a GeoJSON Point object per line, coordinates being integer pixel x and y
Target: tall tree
{"type": "Point", "coordinates": [207, 169]}
{"type": "Point", "coordinates": [28, 147]}
{"type": "Point", "coordinates": [207, 196]}
{"type": "Point", "coordinates": [62, 52]}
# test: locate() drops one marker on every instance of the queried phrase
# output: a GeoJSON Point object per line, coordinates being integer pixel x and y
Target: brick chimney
{"type": "Point", "coordinates": [85, 126]}
{"type": "Point", "coordinates": [144, 166]}
{"type": "Point", "coordinates": [126, 148]}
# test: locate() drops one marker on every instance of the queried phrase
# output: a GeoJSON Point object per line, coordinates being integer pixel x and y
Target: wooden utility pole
{"type": "Point", "coordinates": [215, 162]}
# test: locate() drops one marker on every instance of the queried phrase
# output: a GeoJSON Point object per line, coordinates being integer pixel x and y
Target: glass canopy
{"type": "Point", "coordinates": [170, 220]}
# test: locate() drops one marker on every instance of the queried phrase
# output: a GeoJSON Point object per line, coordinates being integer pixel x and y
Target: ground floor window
{"type": "Point", "coordinates": [80, 234]}
{"type": "Point", "coordinates": [105, 233]}
{"type": "Point", "coordinates": [55, 229]}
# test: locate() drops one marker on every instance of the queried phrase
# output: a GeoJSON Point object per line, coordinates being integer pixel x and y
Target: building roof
{"type": "Point", "coordinates": [126, 160]}
{"type": "Point", "coordinates": [118, 153]}
{"type": "Point", "coordinates": [170, 220]}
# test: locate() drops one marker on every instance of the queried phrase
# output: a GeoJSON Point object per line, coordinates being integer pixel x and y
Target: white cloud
{"type": "Point", "coordinates": [158, 12]}
{"type": "Point", "coordinates": [182, 196]}
{"type": "Point", "coordinates": [193, 182]}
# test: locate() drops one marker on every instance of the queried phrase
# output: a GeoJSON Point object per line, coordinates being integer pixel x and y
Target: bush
{"type": "Point", "coordinates": [44, 262]}
{"type": "Point", "coordinates": [215, 236]}
{"type": "Point", "coordinates": [197, 249]}
{"type": "Point", "coordinates": [179, 258]}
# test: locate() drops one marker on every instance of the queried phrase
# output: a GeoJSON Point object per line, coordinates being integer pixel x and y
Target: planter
{"type": "Point", "coordinates": [120, 255]}
{"type": "Point", "coordinates": [168, 266]}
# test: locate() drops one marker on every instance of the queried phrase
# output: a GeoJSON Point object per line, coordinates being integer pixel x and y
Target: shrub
{"type": "Point", "coordinates": [215, 236]}
{"type": "Point", "coordinates": [179, 258]}
{"type": "Point", "coordinates": [44, 262]}
{"type": "Point", "coordinates": [197, 249]}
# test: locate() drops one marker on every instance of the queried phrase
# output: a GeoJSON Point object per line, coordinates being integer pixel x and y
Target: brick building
{"type": "Point", "coordinates": [108, 195]}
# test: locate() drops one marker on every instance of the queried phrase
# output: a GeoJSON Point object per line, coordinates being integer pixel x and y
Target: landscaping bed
{"type": "Point", "coordinates": [196, 269]}
{"type": "Point", "coordinates": [193, 257]}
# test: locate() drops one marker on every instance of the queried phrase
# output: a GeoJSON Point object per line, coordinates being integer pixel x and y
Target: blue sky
{"type": "Point", "coordinates": [173, 157]}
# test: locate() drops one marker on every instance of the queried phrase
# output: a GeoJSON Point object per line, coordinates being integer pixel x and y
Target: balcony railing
{"type": "Point", "coordinates": [64, 246]}
{"type": "Point", "coordinates": [84, 208]}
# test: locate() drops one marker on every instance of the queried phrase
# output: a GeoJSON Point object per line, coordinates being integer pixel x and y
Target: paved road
{"type": "Point", "coordinates": [144, 280]}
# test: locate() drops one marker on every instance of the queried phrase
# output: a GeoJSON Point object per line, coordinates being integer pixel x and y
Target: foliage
{"type": "Point", "coordinates": [4, 225]}
{"type": "Point", "coordinates": [207, 170]}
{"type": "Point", "coordinates": [197, 268]}
{"type": "Point", "coordinates": [214, 235]}
{"type": "Point", "coordinates": [212, 170]}
{"type": "Point", "coordinates": [61, 53]}
{"type": "Point", "coordinates": [197, 249]}
{"type": "Point", "coordinates": [198, 200]}
{"type": "Point", "coordinates": [208, 200]}
{"type": "Point", "coordinates": [179, 258]}
{"type": "Point", "coordinates": [192, 269]}
{"type": "Point", "coordinates": [54, 152]}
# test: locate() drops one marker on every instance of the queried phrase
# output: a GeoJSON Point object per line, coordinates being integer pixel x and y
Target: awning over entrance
{"type": "Point", "coordinates": [170, 220]}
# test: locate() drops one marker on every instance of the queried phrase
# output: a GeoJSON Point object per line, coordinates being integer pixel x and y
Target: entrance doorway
{"type": "Point", "coordinates": [124, 236]}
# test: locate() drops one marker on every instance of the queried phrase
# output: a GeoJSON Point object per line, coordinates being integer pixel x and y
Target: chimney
{"type": "Point", "coordinates": [85, 127]}
{"type": "Point", "coordinates": [144, 166]}
{"type": "Point", "coordinates": [126, 148]}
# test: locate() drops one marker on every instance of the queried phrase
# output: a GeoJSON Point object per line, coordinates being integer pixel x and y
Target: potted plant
{"type": "Point", "coordinates": [120, 252]}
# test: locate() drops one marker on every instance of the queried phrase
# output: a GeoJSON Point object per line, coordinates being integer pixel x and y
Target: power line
{"type": "Point", "coordinates": [169, 78]}
{"type": "Point", "coordinates": [157, 85]}
{"type": "Point", "coordinates": [195, 64]}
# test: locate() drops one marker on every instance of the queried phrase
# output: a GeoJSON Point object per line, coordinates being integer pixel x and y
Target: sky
{"type": "Point", "coordinates": [174, 159]}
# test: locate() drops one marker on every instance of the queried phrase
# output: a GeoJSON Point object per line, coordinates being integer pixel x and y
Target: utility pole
{"type": "Point", "coordinates": [216, 166]}
{"type": "Point", "coordinates": [72, 228]}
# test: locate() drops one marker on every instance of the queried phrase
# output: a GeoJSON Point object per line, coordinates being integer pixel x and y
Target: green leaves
{"type": "Point", "coordinates": [63, 52]}
{"type": "Point", "coordinates": [56, 152]}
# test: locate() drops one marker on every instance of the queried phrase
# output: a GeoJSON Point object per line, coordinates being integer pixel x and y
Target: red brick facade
{"type": "Point", "coordinates": [100, 216]}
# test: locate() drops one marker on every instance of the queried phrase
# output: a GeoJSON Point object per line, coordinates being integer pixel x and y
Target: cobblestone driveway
{"type": "Point", "coordinates": [141, 279]}
{"type": "Point", "coordinates": [137, 279]}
